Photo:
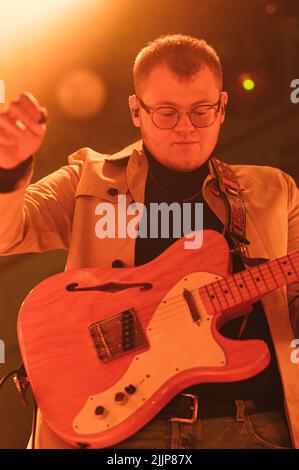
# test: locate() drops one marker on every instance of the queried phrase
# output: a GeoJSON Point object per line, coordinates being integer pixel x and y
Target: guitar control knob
{"type": "Point", "coordinates": [130, 389]}
{"type": "Point", "coordinates": [120, 397]}
{"type": "Point", "coordinates": [100, 411]}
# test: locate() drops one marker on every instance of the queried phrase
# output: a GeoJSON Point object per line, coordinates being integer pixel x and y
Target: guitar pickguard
{"type": "Point", "coordinates": [177, 343]}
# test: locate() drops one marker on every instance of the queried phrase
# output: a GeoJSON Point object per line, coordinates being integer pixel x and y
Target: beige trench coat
{"type": "Point", "coordinates": [60, 212]}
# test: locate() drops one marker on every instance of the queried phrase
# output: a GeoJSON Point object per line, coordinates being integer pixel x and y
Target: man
{"type": "Point", "coordinates": [179, 106]}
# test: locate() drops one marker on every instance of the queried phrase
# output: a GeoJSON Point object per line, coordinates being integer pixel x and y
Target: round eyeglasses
{"type": "Point", "coordinates": [167, 117]}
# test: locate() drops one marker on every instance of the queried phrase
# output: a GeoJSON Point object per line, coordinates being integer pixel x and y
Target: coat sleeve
{"type": "Point", "coordinates": [293, 245]}
{"type": "Point", "coordinates": [38, 217]}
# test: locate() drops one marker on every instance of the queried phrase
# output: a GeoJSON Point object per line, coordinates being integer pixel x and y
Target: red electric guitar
{"type": "Point", "coordinates": [106, 349]}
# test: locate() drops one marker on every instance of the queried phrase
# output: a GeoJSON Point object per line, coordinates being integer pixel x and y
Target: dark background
{"type": "Point", "coordinates": [261, 126]}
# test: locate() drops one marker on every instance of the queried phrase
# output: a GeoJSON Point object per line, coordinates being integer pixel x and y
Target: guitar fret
{"type": "Point", "coordinates": [295, 259]}
{"type": "Point", "coordinates": [250, 284]}
{"type": "Point", "coordinates": [271, 271]}
{"type": "Point", "coordinates": [230, 290]}
{"type": "Point", "coordinates": [254, 282]}
{"type": "Point", "coordinates": [282, 264]}
{"type": "Point", "coordinates": [240, 286]}
{"type": "Point", "coordinates": [222, 299]}
{"type": "Point", "coordinates": [232, 284]}
{"type": "Point", "coordinates": [214, 284]}
{"type": "Point", "coordinates": [214, 298]}
{"type": "Point", "coordinates": [259, 280]}
{"type": "Point", "coordinates": [291, 262]}
{"type": "Point", "coordinates": [270, 281]}
{"type": "Point", "coordinates": [210, 307]}
{"type": "Point", "coordinates": [242, 274]}
{"type": "Point", "coordinates": [241, 292]}
{"type": "Point", "coordinates": [280, 269]}
{"type": "Point", "coordinates": [224, 294]}
{"type": "Point", "coordinates": [259, 267]}
{"type": "Point", "coordinates": [288, 274]}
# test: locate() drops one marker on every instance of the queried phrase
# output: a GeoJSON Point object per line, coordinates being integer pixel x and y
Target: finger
{"type": "Point", "coordinates": [21, 118]}
{"type": "Point", "coordinates": [44, 116]}
{"type": "Point", "coordinates": [8, 125]}
{"type": "Point", "coordinates": [31, 105]}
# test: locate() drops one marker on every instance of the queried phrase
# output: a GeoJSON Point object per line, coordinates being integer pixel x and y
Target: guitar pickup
{"type": "Point", "coordinates": [118, 335]}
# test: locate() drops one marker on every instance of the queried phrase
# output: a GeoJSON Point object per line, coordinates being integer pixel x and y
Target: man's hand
{"type": "Point", "coordinates": [22, 129]}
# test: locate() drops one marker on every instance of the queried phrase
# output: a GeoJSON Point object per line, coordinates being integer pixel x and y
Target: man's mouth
{"type": "Point", "coordinates": [185, 142]}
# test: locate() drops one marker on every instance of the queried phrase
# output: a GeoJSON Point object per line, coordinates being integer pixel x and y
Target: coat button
{"type": "Point", "coordinates": [112, 191]}
{"type": "Point", "coordinates": [117, 263]}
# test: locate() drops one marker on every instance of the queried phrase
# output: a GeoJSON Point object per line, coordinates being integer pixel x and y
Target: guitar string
{"type": "Point", "coordinates": [263, 285]}
{"type": "Point", "coordinates": [164, 326]}
{"type": "Point", "coordinates": [176, 309]}
{"type": "Point", "coordinates": [265, 277]}
{"type": "Point", "coordinates": [178, 301]}
{"type": "Point", "coordinates": [179, 309]}
{"type": "Point", "coordinates": [182, 317]}
{"type": "Point", "coordinates": [266, 283]}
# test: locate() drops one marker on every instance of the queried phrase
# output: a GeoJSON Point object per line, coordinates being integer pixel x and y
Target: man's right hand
{"type": "Point", "coordinates": [22, 129]}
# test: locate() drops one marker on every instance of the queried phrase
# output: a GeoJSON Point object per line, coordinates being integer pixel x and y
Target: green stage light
{"type": "Point", "coordinates": [248, 84]}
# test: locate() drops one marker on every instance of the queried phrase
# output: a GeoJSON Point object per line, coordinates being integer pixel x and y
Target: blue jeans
{"type": "Point", "coordinates": [261, 430]}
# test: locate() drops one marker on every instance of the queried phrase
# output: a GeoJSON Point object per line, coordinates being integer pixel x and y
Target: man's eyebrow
{"type": "Point", "coordinates": [172, 103]}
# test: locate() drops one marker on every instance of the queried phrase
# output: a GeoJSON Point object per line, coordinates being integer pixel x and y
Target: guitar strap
{"type": "Point", "coordinates": [232, 193]}
{"type": "Point", "coordinates": [230, 188]}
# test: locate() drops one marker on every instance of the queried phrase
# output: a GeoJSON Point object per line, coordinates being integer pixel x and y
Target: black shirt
{"type": "Point", "coordinates": [166, 185]}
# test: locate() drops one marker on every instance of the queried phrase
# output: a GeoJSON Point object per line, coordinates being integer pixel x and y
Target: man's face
{"type": "Point", "coordinates": [184, 147]}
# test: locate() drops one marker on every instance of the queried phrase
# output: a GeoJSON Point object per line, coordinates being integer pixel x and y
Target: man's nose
{"type": "Point", "coordinates": [184, 123]}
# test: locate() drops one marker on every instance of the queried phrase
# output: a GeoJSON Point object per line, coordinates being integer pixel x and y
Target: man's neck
{"type": "Point", "coordinates": [180, 184]}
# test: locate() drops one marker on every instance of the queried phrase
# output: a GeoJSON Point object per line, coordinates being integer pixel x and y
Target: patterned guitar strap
{"type": "Point", "coordinates": [231, 190]}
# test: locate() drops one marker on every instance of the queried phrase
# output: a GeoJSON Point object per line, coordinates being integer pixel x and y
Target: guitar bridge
{"type": "Point", "coordinates": [117, 335]}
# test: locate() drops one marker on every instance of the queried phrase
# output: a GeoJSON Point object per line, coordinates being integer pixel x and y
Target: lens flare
{"type": "Point", "coordinates": [18, 17]}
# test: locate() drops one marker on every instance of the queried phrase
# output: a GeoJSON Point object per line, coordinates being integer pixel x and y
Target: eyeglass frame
{"type": "Point", "coordinates": [216, 106]}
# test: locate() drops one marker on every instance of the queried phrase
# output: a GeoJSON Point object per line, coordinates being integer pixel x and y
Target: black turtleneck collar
{"type": "Point", "coordinates": [175, 184]}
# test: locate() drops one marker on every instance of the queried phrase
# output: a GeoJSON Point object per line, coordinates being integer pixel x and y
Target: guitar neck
{"type": "Point", "coordinates": [251, 284]}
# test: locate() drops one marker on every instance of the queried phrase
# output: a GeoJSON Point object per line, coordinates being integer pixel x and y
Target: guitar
{"type": "Point", "coordinates": [106, 349]}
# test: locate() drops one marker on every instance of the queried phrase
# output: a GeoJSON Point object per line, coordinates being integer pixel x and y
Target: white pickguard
{"type": "Point", "coordinates": [177, 344]}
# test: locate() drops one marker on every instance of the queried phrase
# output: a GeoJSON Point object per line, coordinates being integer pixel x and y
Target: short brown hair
{"type": "Point", "coordinates": [183, 55]}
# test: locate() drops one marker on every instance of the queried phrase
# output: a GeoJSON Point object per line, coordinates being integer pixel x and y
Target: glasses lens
{"type": "Point", "coordinates": [203, 116]}
{"type": "Point", "coordinates": [165, 118]}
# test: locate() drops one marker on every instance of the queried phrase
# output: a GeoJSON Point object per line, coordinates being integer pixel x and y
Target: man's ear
{"type": "Point", "coordinates": [224, 101]}
{"type": "Point", "coordinates": [135, 110]}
